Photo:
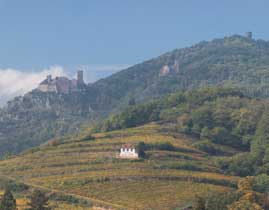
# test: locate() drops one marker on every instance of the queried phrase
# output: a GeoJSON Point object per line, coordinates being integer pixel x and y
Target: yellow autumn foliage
{"type": "Point", "coordinates": [245, 205]}
{"type": "Point", "coordinates": [249, 199]}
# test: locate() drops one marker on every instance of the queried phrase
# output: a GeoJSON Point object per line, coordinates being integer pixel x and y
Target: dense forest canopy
{"type": "Point", "coordinates": [216, 117]}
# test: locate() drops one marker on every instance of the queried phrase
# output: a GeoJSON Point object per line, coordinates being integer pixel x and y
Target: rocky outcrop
{"type": "Point", "coordinates": [32, 119]}
{"type": "Point", "coordinates": [165, 70]}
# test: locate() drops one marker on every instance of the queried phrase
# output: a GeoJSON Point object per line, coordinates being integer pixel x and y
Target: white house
{"type": "Point", "coordinates": [128, 151]}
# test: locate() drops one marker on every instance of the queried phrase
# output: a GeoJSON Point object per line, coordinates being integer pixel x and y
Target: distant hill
{"type": "Point", "coordinates": [234, 61]}
{"type": "Point", "coordinates": [33, 119]}
{"type": "Point", "coordinates": [58, 106]}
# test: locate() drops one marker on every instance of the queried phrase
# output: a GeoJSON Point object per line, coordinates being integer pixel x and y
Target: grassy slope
{"type": "Point", "coordinates": [90, 169]}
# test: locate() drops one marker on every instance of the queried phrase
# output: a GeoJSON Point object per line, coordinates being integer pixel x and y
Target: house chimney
{"type": "Point", "coordinates": [80, 77]}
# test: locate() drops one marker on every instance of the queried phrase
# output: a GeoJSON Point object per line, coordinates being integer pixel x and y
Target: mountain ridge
{"type": "Point", "coordinates": [235, 61]}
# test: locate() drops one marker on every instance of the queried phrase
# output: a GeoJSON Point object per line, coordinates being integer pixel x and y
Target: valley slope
{"type": "Point", "coordinates": [193, 144]}
{"type": "Point", "coordinates": [88, 167]}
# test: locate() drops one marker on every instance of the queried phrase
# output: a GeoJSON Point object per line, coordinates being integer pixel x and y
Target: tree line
{"type": "Point", "coordinates": [38, 201]}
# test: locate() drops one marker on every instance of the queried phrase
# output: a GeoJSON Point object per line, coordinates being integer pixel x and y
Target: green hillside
{"type": "Point", "coordinates": [196, 147]}
{"type": "Point", "coordinates": [216, 118]}
{"type": "Point", "coordinates": [234, 61]}
{"type": "Point", "coordinates": [89, 167]}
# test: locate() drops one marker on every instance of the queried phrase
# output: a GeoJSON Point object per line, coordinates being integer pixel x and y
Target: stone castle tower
{"type": "Point", "coordinates": [62, 84]}
{"type": "Point", "coordinates": [80, 77]}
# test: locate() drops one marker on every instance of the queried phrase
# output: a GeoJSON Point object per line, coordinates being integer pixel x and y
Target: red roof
{"type": "Point", "coordinates": [128, 146]}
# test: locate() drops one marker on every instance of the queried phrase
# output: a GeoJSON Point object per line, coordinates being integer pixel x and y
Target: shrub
{"type": "Point", "coordinates": [38, 201]}
{"type": "Point", "coordinates": [54, 143]}
{"type": "Point", "coordinates": [88, 137]}
{"type": "Point", "coordinates": [208, 147]}
{"type": "Point", "coordinates": [261, 183]}
{"type": "Point", "coordinates": [8, 201]}
{"type": "Point", "coordinates": [141, 147]}
{"type": "Point", "coordinates": [13, 186]}
{"type": "Point", "coordinates": [221, 200]}
{"type": "Point", "coordinates": [63, 197]}
{"type": "Point", "coordinates": [165, 146]}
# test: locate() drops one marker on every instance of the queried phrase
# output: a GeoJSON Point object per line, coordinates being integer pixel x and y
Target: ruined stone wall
{"type": "Point", "coordinates": [63, 85]}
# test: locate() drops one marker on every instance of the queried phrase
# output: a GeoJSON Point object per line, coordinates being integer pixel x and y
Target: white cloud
{"type": "Point", "coordinates": [15, 82]}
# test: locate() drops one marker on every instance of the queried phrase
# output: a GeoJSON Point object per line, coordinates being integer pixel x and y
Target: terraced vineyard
{"type": "Point", "coordinates": [22, 203]}
{"type": "Point", "coordinates": [89, 168]}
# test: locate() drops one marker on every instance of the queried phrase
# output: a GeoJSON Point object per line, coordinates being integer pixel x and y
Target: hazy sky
{"type": "Point", "coordinates": [103, 36]}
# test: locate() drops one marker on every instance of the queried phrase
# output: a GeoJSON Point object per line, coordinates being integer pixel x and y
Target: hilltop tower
{"type": "Point", "coordinates": [49, 78]}
{"type": "Point", "coordinates": [80, 77]}
{"type": "Point", "coordinates": [249, 35]}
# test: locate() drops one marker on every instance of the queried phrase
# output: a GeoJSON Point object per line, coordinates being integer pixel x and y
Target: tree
{"type": "Point", "coordinates": [221, 135]}
{"type": "Point", "coordinates": [220, 201]}
{"type": "Point", "coordinates": [141, 147]}
{"type": "Point", "coordinates": [38, 201]}
{"type": "Point", "coordinates": [8, 201]}
{"type": "Point", "coordinates": [199, 203]}
{"type": "Point", "coordinates": [205, 133]}
{"type": "Point", "coordinates": [201, 117]}
{"type": "Point", "coordinates": [132, 102]}
{"type": "Point", "coordinates": [245, 205]}
{"type": "Point", "coordinates": [261, 140]}
{"type": "Point", "coordinates": [250, 199]}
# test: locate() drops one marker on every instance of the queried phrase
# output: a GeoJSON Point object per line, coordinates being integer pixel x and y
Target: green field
{"type": "Point", "coordinates": [90, 169]}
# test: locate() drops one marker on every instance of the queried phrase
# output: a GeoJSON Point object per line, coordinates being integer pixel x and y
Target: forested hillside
{"type": "Point", "coordinates": [234, 61]}
{"type": "Point", "coordinates": [191, 146]}
{"type": "Point", "coordinates": [219, 119]}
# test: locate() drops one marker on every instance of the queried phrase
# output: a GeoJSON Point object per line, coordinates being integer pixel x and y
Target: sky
{"type": "Point", "coordinates": [105, 36]}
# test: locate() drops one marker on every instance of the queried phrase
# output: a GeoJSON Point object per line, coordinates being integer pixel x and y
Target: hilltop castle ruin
{"type": "Point", "coordinates": [62, 84]}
